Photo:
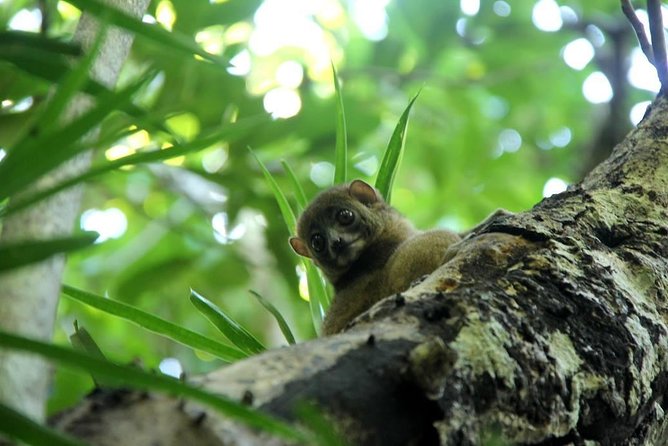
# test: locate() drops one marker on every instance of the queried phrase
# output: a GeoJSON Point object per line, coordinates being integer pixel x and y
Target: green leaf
{"type": "Point", "coordinates": [155, 324]}
{"type": "Point", "coordinates": [341, 153]}
{"type": "Point", "coordinates": [282, 324]}
{"type": "Point", "coordinates": [393, 154]}
{"type": "Point", "coordinates": [18, 41]}
{"type": "Point", "coordinates": [19, 427]}
{"type": "Point", "coordinates": [72, 82]}
{"type": "Point", "coordinates": [136, 378]}
{"type": "Point", "coordinates": [318, 296]}
{"type": "Point", "coordinates": [26, 161]}
{"type": "Point", "coordinates": [296, 186]}
{"type": "Point", "coordinates": [23, 253]}
{"type": "Point", "coordinates": [82, 341]}
{"type": "Point", "coordinates": [284, 206]}
{"type": "Point", "coordinates": [230, 132]}
{"type": "Point", "coordinates": [237, 334]}
{"type": "Point", "coordinates": [169, 41]}
{"type": "Point", "coordinates": [47, 59]}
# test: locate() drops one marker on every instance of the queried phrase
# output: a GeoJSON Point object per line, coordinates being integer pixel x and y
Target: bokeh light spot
{"type": "Point", "coordinates": [165, 14]}
{"type": "Point", "coordinates": [469, 7]}
{"type": "Point", "coordinates": [546, 16]}
{"type": "Point", "coordinates": [596, 88]}
{"type": "Point", "coordinates": [222, 231]}
{"type": "Point", "coordinates": [554, 186]}
{"type": "Point", "coordinates": [322, 174]}
{"type": "Point", "coordinates": [282, 102]}
{"type": "Point", "coordinates": [371, 18]}
{"type": "Point", "coordinates": [240, 65]}
{"type": "Point", "coordinates": [641, 73]}
{"type": "Point", "coordinates": [561, 137]}
{"type": "Point", "coordinates": [510, 140]}
{"type": "Point", "coordinates": [26, 20]}
{"type": "Point", "coordinates": [578, 53]}
{"type": "Point", "coordinates": [501, 8]}
{"type": "Point", "coordinates": [109, 223]}
{"type": "Point", "coordinates": [171, 367]}
{"type": "Point", "coordinates": [638, 112]}
{"type": "Point", "coordinates": [290, 74]}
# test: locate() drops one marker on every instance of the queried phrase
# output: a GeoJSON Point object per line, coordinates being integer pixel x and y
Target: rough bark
{"type": "Point", "coordinates": [30, 294]}
{"type": "Point", "coordinates": [548, 326]}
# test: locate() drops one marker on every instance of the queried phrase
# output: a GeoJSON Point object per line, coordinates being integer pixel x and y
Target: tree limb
{"type": "Point", "coordinates": [550, 326]}
{"type": "Point", "coordinates": [630, 13]}
{"type": "Point", "coordinates": [658, 40]}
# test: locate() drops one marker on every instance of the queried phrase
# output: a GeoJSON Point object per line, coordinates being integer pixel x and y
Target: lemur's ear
{"type": "Point", "coordinates": [363, 192]}
{"type": "Point", "coordinates": [299, 246]}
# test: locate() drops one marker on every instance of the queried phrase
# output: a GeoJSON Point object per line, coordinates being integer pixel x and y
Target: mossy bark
{"type": "Point", "coordinates": [547, 327]}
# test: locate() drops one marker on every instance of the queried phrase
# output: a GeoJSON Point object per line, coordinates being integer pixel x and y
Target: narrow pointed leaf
{"type": "Point", "coordinates": [341, 152]}
{"type": "Point", "coordinates": [230, 328]}
{"type": "Point", "coordinates": [321, 286]}
{"type": "Point", "coordinates": [282, 324]}
{"type": "Point", "coordinates": [317, 295]}
{"type": "Point", "coordinates": [393, 154]}
{"type": "Point", "coordinates": [155, 324]}
{"type": "Point", "coordinates": [19, 40]}
{"type": "Point", "coordinates": [48, 59]}
{"type": "Point", "coordinates": [82, 341]}
{"type": "Point", "coordinates": [300, 196]}
{"type": "Point", "coordinates": [19, 427]}
{"type": "Point", "coordinates": [318, 299]}
{"type": "Point", "coordinates": [283, 204]}
{"type": "Point", "coordinates": [230, 132]}
{"type": "Point", "coordinates": [136, 378]}
{"type": "Point", "coordinates": [23, 253]}
{"type": "Point", "coordinates": [27, 161]}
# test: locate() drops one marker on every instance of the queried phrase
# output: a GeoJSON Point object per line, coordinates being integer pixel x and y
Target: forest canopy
{"type": "Point", "coordinates": [516, 100]}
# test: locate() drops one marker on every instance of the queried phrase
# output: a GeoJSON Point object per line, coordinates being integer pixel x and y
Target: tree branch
{"type": "Point", "coordinates": [658, 40]}
{"type": "Point", "coordinates": [549, 325]}
{"type": "Point", "coordinates": [630, 13]}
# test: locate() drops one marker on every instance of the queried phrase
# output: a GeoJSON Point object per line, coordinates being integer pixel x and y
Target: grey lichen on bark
{"type": "Point", "coordinates": [30, 294]}
{"type": "Point", "coordinates": [547, 326]}
{"type": "Point", "coordinates": [556, 318]}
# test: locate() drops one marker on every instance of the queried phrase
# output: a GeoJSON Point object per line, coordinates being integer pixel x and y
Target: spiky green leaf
{"type": "Point", "coordinates": [230, 328]}
{"type": "Point", "coordinates": [23, 253]}
{"type": "Point", "coordinates": [155, 324]}
{"type": "Point", "coordinates": [393, 154]}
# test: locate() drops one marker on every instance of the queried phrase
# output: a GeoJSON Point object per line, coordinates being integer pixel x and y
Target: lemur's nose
{"type": "Point", "coordinates": [338, 245]}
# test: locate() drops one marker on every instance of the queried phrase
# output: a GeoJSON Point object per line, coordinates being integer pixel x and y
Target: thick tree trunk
{"type": "Point", "coordinates": [29, 295]}
{"type": "Point", "coordinates": [547, 326]}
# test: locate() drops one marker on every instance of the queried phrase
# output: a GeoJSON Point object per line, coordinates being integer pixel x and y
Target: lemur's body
{"type": "Point", "coordinates": [365, 248]}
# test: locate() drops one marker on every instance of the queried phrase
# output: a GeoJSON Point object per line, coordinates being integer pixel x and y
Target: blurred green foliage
{"type": "Point", "coordinates": [208, 220]}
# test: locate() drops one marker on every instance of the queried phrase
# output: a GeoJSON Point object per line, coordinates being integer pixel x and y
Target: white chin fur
{"type": "Point", "coordinates": [352, 252]}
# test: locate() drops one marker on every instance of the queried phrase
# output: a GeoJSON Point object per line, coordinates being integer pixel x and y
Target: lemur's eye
{"type": "Point", "coordinates": [345, 217]}
{"type": "Point", "coordinates": [317, 242]}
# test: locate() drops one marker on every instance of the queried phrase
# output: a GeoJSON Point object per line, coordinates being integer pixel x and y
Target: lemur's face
{"type": "Point", "coordinates": [337, 227]}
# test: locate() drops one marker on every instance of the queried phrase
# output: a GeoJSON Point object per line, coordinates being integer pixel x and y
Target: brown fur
{"type": "Point", "coordinates": [375, 255]}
